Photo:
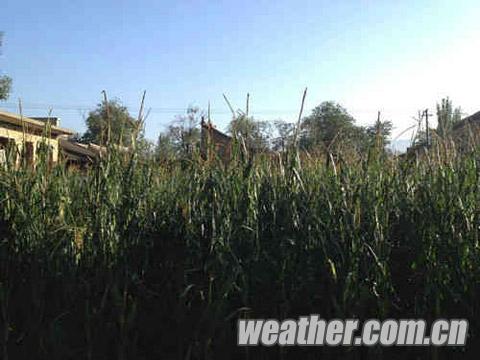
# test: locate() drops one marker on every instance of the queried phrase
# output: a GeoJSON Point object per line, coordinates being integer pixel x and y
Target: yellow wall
{"type": "Point", "coordinates": [19, 137]}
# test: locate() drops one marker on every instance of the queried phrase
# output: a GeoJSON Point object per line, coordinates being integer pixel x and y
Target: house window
{"type": "Point", "coordinates": [7, 150]}
{"type": "Point", "coordinates": [29, 153]}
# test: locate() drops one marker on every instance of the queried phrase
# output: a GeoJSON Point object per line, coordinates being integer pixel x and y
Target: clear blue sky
{"type": "Point", "coordinates": [394, 56]}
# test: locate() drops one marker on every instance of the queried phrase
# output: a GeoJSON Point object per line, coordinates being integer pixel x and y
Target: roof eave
{"type": "Point", "coordinates": [15, 119]}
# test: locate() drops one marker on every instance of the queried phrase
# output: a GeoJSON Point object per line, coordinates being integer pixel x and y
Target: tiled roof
{"type": "Point", "coordinates": [470, 120]}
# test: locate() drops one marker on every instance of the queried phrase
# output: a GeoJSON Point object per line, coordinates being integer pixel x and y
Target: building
{"type": "Point", "coordinates": [27, 135]}
{"type": "Point", "coordinates": [467, 131]}
{"type": "Point", "coordinates": [81, 155]}
{"type": "Point", "coordinates": [213, 139]}
{"type": "Point", "coordinates": [77, 154]}
{"type": "Point", "coordinates": [463, 133]}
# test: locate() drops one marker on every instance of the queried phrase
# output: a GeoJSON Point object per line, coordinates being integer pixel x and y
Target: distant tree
{"type": "Point", "coordinates": [447, 116]}
{"type": "Point", "coordinates": [165, 148]}
{"type": "Point", "coordinates": [146, 148]}
{"type": "Point", "coordinates": [379, 133]}
{"type": "Point", "coordinates": [112, 122]}
{"type": "Point", "coordinates": [5, 81]}
{"type": "Point", "coordinates": [5, 87]}
{"type": "Point", "coordinates": [285, 132]}
{"type": "Point", "coordinates": [328, 123]}
{"type": "Point", "coordinates": [256, 134]}
{"type": "Point", "coordinates": [355, 138]}
{"type": "Point", "coordinates": [265, 132]}
{"type": "Point", "coordinates": [182, 135]}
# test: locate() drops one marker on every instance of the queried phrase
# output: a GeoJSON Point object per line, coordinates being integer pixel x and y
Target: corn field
{"type": "Point", "coordinates": [133, 259]}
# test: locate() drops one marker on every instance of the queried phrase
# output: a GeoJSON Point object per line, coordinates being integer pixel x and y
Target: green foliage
{"type": "Point", "coordinates": [165, 148]}
{"type": "Point", "coordinates": [330, 125]}
{"type": "Point", "coordinates": [285, 132]}
{"type": "Point", "coordinates": [111, 123]}
{"type": "Point", "coordinates": [255, 134]}
{"type": "Point", "coordinates": [5, 87]}
{"type": "Point", "coordinates": [446, 117]}
{"type": "Point", "coordinates": [135, 260]}
{"type": "Point", "coordinates": [5, 81]}
{"type": "Point", "coordinates": [182, 136]}
{"type": "Point", "coordinates": [380, 132]}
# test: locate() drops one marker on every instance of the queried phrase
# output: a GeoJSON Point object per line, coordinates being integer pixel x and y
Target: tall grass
{"type": "Point", "coordinates": [136, 260]}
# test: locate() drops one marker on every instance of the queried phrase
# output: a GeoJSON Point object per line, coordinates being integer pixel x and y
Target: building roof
{"type": "Point", "coordinates": [469, 120]}
{"type": "Point", "coordinates": [53, 120]}
{"type": "Point", "coordinates": [18, 120]}
{"type": "Point", "coordinates": [76, 149]}
{"type": "Point", "coordinates": [214, 131]}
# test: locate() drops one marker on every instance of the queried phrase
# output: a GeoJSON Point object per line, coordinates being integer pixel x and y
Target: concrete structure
{"type": "Point", "coordinates": [27, 136]}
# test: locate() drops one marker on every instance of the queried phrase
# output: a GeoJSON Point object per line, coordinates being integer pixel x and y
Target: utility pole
{"type": "Point", "coordinates": [427, 131]}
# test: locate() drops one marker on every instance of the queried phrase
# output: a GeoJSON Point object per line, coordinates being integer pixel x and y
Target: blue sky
{"type": "Point", "coordinates": [392, 56]}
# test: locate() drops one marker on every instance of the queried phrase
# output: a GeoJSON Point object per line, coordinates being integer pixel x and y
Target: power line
{"type": "Point", "coordinates": [174, 110]}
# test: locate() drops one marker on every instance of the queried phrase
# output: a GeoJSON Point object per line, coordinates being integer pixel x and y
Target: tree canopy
{"type": "Point", "coordinates": [5, 86]}
{"type": "Point", "coordinates": [5, 81]}
{"type": "Point", "coordinates": [256, 134]}
{"type": "Point", "coordinates": [330, 126]}
{"type": "Point", "coordinates": [447, 116]}
{"type": "Point", "coordinates": [182, 135]}
{"type": "Point", "coordinates": [329, 122]}
{"type": "Point", "coordinates": [285, 132]}
{"type": "Point", "coordinates": [379, 133]}
{"type": "Point", "coordinates": [112, 122]}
